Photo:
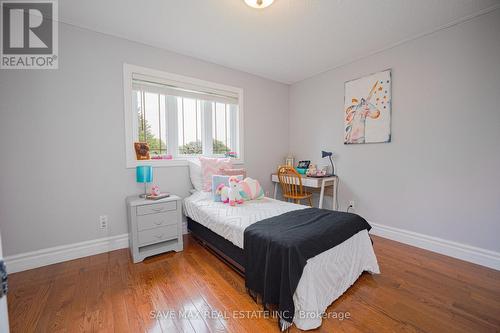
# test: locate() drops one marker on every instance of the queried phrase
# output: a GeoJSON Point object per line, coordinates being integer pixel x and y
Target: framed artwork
{"type": "Point", "coordinates": [141, 151]}
{"type": "Point", "coordinates": [367, 109]}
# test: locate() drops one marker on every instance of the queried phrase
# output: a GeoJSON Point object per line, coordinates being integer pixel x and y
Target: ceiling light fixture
{"type": "Point", "coordinates": [259, 4]}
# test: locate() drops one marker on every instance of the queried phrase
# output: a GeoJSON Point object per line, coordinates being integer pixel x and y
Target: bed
{"type": "Point", "coordinates": [325, 277]}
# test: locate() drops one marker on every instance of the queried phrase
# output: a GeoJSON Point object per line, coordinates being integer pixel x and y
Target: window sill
{"type": "Point", "coordinates": [169, 163]}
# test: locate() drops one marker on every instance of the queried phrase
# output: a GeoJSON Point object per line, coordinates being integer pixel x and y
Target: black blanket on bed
{"type": "Point", "coordinates": [276, 251]}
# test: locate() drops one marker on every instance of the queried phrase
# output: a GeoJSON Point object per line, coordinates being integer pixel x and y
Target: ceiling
{"type": "Point", "coordinates": [289, 41]}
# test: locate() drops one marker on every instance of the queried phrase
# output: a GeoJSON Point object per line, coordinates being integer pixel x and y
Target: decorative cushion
{"type": "Point", "coordinates": [251, 189]}
{"type": "Point", "coordinates": [210, 167]}
{"type": "Point", "coordinates": [216, 181]}
{"type": "Point", "coordinates": [195, 174]}
{"type": "Point", "coordinates": [233, 172]}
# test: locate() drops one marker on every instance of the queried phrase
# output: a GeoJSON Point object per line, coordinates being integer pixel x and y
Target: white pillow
{"type": "Point", "coordinates": [195, 174]}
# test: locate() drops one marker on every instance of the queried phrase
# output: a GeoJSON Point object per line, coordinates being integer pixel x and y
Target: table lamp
{"type": "Point", "coordinates": [144, 174]}
{"type": "Point", "coordinates": [329, 154]}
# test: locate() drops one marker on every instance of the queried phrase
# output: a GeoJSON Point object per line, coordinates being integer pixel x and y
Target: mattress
{"type": "Point", "coordinates": [230, 222]}
{"type": "Point", "coordinates": [325, 277]}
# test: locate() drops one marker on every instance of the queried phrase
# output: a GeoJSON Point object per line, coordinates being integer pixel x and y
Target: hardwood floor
{"type": "Point", "coordinates": [418, 291]}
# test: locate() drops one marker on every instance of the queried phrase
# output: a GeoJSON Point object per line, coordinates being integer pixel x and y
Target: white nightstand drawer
{"type": "Point", "coordinates": [154, 226]}
{"type": "Point", "coordinates": [151, 221]}
{"type": "Point", "coordinates": [158, 234]}
{"type": "Point", "coordinates": [156, 208]}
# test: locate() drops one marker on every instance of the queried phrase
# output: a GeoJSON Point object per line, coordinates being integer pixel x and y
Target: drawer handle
{"type": "Point", "coordinates": [159, 236]}
{"type": "Point", "coordinates": [159, 223]}
{"type": "Point", "coordinates": [157, 209]}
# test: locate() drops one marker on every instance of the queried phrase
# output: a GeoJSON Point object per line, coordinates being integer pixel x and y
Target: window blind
{"type": "Point", "coordinates": [182, 89]}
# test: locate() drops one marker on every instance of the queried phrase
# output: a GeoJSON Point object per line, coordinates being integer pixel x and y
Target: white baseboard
{"type": "Point", "coordinates": [29, 260]}
{"type": "Point", "coordinates": [53, 255]}
{"type": "Point", "coordinates": [465, 252]}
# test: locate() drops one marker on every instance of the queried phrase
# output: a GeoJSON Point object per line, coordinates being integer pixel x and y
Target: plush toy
{"type": "Point", "coordinates": [155, 190]}
{"type": "Point", "coordinates": [311, 171]}
{"type": "Point", "coordinates": [230, 194]}
{"type": "Point", "coordinates": [251, 189]}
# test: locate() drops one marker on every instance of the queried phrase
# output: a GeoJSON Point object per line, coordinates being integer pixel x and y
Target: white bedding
{"type": "Point", "coordinates": [326, 276]}
{"type": "Point", "coordinates": [231, 222]}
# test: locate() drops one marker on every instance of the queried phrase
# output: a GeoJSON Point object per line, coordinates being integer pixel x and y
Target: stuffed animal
{"type": "Point", "coordinates": [230, 194]}
{"type": "Point", "coordinates": [311, 171]}
{"type": "Point", "coordinates": [155, 190]}
{"type": "Point", "coordinates": [251, 189]}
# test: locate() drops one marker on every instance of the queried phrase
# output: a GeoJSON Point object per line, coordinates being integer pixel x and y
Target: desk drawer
{"type": "Point", "coordinates": [151, 221]}
{"type": "Point", "coordinates": [157, 235]}
{"type": "Point", "coordinates": [156, 208]}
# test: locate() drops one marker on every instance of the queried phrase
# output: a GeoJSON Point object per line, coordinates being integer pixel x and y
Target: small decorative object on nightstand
{"type": "Point", "coordinates": [154, 226]}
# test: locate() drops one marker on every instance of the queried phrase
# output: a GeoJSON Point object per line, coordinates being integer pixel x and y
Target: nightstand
{"type": "Point", "coordinates": [155, 226]}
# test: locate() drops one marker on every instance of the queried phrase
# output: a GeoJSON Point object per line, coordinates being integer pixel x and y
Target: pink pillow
{"type": "Point", "coordinates": [210, 167]}
{"type": "Point", "coordinates": [233, 172]}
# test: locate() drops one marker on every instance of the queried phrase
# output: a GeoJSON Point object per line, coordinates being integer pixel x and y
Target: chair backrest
{"type": "Point", "coordinates": [290, 181]}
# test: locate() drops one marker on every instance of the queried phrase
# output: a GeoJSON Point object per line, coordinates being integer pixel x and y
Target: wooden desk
{"type": "Point", "coordinates": [316, 183]}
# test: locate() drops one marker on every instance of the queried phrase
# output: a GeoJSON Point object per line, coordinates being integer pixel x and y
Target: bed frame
{"type": "Point", "coordinates": [232, 255]}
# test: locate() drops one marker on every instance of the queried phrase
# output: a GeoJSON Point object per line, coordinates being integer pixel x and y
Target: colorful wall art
{"type": "Point", "coordinates": [367, 107]}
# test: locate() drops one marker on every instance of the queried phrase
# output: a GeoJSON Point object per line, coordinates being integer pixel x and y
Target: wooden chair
{"type": "Point", "coordinates": [291, 185]}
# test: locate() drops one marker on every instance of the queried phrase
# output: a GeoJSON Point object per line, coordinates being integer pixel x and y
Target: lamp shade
{"type": "Point", "coordinates": [326, 153]}
{"type": "Point", "coordinates": [144, 174]}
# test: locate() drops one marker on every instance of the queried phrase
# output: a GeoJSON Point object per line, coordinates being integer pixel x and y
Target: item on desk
{"type": "Point", "coordinates": [289, 160]}
{"type": "Point", "coordinates": [329, 155]}
{"type": "Point", "coordinates": [302, 171]}
{"type": "Point", "coordinates": [311, 171]}
{"type": "Point", "coordinates": [302, 167]}
{"type": "Point", "coordinates": [303, 164]}
{"type": "Point", "coordinates": [319, 174]}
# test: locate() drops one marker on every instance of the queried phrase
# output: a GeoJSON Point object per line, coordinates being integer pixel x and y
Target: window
{"type": "Point", "coordinates": [179, 117]}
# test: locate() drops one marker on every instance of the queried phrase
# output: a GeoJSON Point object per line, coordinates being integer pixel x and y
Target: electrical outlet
{"type": "Point", "coordinates": [352, 204]}
{"type": "Point", "coordinates": [103, 222]}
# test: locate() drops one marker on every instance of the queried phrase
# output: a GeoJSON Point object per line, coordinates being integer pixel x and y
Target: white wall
{"type": "Point", "coordinates": [440, 174]}
{"type": "Point", "coordinates": [62, 161]}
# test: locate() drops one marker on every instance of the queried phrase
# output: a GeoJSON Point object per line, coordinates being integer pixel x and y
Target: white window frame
{"type": "Point", "coordinates": [130, 121]}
